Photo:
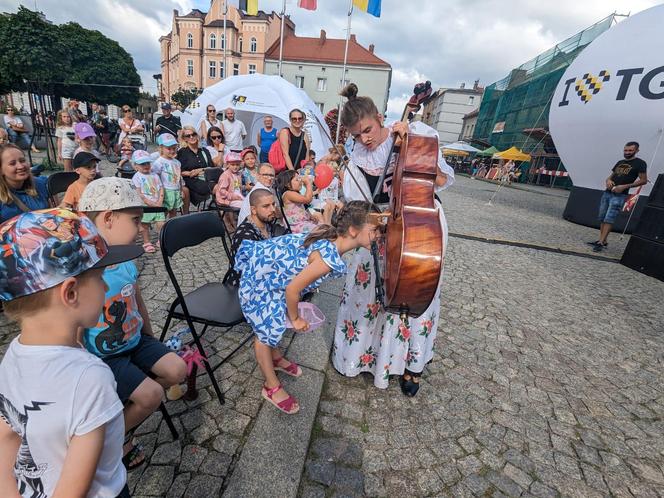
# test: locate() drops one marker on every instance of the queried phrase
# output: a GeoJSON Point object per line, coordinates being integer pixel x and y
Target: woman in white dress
{"type": "Point", "coordinates": [366, 338]}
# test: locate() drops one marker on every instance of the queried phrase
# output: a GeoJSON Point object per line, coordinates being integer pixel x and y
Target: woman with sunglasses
{"type": "Point", "coordinates": [194, 159]}
{"type": "Point", "coordinates": [294, 141]}
{"type": "Point", "coordinates": [215, 145]}
{"type": "Point", "coordinates": [209, 120]}
{"type": "Point", "coordinates": [128, 124]}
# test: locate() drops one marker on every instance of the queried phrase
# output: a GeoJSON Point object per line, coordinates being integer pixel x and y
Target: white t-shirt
{"type": "Point", "coordinates": [149, 185]}
{"type": "Point", "coordinates": [245, 210]}
{"type": "Point", "coordinates": [68, 144]}
{"type": "Point", "coordinates": [170, 172]}
{"type": "Point", "coordinates": [16, 121]}
{"type": "Point", "coordinates": [329, 193]}
{"type": "Point", "coordinates": [233, 134]}
{"type": "Point", "coordinates": [48, 395]}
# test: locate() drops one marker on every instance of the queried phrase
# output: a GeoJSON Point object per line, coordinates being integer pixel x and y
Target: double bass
{"type": "Point", "coordinates": [412, 230]}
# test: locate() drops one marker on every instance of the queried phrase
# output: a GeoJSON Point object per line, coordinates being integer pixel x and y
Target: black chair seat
{"type": "Point", "coordinates": [214, 303]}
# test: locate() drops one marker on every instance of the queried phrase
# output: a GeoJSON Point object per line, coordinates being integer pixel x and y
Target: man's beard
{"type": "Point", "coordinates": [629, 156]}
{"type": "Point", "coordinates": [266, 219]}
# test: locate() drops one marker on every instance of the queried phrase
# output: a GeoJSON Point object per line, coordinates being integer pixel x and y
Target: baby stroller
{"type": "Point", "coordinates": [138, 141]}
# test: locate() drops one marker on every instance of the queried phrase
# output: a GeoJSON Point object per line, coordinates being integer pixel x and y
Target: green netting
{"type": "Point", "coordinates": [521, 100]}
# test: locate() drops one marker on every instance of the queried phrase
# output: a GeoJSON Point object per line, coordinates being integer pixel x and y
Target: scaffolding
{"type": "Point", "coordinates": [521, 100]}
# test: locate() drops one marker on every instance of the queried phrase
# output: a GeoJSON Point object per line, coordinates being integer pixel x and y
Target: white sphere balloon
{"type": "Point", "coordinates": [612, 93]}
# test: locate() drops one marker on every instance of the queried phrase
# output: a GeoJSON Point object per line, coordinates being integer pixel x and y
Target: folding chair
{"type": "Point", "coordinates": [212, 178]}
{"type": "Point", "coordinates": [283, 212]}
{"type": "Point", "coordinates": [215, 304]}
{"type": "Point", "coordinates": [58, 183]}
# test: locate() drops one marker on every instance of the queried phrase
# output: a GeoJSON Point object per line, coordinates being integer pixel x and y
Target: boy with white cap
{"type": "Point", "coordinates": [123, 336]}
{"type": "Point", "coordinates": [169, 170]}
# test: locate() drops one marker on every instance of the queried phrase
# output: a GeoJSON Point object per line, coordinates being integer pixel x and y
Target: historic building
{"type": "Point", "coordinates": [316, 66]}
{"type": "Point", "coordinates": [192, 54]}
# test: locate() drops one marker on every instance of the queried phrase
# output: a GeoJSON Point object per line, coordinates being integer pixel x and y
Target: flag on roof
{"type": "Point", "coordinates": [369, 6]}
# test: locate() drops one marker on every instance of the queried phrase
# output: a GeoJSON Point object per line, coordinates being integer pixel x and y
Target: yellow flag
{"type": "Point", "coordinates": [252, 7]}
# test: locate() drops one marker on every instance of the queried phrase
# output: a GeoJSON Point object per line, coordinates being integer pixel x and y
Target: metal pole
{"type": "Point", "coordinates": [225, 38]}
{"type": "Point", "coordinates": [343, 72]}
{"type": "Point", "coordinates": [281, 36]}
{"type": "Point", "coordinates": [555, 175]}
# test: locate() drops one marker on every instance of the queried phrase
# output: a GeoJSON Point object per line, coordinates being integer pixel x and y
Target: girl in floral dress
{"type": "Point", "coordinates": [276, 272]}
{"type": "Point", "coordinates": [368, 339]}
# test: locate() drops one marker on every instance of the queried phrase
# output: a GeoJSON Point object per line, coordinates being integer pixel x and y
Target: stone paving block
{"type": "Point", "coordinates": [203, 486]}
{"type": "Point", "coordinates": [155, 481]}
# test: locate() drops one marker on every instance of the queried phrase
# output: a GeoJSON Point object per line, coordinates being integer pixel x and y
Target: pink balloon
{"type": "Point", "coordinates": [323, 176]}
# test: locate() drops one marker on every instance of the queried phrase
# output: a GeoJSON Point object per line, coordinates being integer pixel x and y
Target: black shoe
{"type": "Point", "coordinates": [599, 247]}
{"type": "Point", "coordinates": [408, 385]}
{"type": "Point", "coordinates": [596, 243]}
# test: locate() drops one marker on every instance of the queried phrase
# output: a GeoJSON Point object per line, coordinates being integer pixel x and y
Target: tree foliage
{"type": "Point", "coordinates": [185, 96]}
{"type": "Point", "coordinates": [98, 59]}
{"type": "Point", "coordinates": [66, 60]}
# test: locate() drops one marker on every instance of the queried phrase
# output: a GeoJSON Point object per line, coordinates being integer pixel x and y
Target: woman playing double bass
{"type": "Point", "coordinates": [367, 338]}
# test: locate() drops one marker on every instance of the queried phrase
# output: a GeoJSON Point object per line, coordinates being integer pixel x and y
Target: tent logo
{"type": "Point", "coordinates": [194, 105]}
{"type": "Point", "coordinates": [239, 99]}
{"type": "Point", "coordinates": [590, 85]}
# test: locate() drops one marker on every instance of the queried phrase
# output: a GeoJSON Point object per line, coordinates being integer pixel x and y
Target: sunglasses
{"type": "Point", "coordinates": [215, 137]}
{"type": "Point", "coordinates": [190, 135]}
{"type": "Point", "coordinates": [297, 119]}
{"type": "Point", "coordinates": [211, 110]}
{"type": "Point", "coordinates": [126, 110]}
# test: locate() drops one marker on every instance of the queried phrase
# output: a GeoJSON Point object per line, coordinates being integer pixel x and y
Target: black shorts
{"type": "Point", "coordinates": [133, 367]}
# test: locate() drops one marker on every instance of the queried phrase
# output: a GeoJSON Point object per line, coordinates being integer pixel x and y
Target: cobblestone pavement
{"type": "Point", "coordinates": [211, 435]}
{"type": "Point", "coordinates": [532, 216]}
{"type": "Point", "coordinates": [547, 380]}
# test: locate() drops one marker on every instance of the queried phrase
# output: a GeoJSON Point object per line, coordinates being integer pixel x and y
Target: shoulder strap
{"type": "Point", "coordinates": [19, 203]}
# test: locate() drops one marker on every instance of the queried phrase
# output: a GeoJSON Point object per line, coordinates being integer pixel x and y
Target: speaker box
{"type": "Point", "coordinates": [645, 256]}
{"type": "Point", "coordinates": [656, 197]}
{"type": "Point", "coordinates": [651, 224]}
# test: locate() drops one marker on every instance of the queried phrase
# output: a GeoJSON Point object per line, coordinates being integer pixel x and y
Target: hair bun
{"type": "Point", "coordinates": [349, 91]}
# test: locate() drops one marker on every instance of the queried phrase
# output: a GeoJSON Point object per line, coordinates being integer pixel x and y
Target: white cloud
{"type": "Point", "coordinates": [446, 42]}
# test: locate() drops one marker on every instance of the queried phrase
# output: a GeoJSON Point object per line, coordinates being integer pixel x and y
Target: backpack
{"type": "Point", "coordinates": [276, 156]}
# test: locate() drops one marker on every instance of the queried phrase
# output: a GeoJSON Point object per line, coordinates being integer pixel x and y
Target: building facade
{"type": "Point", "coordinates": [447, 107]}
{"type": "Point", "coordinates": [192, 54]}
{"type": "Point", "coordinates": [468, 125]}
{"type": "Point", "coordinates": [316, 66]}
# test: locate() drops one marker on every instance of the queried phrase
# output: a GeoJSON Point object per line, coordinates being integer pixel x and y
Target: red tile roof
{"type": "Point", "coordinates": [326, 50]}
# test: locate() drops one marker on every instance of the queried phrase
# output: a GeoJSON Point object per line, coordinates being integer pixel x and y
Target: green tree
{"type": "Point", "coordinates": [185, 96]}
{"type": "Point", "coordinates": [66, 60]}
{"type": "Point", "coordinates": [98, 60]}
{"type": "Point", "coordinates": [32, 50]}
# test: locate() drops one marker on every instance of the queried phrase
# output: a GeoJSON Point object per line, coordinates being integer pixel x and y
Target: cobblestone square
{"type": "Point", "coordinates": [547, 379]}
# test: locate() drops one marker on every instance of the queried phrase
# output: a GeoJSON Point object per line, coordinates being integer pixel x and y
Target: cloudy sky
{"type": "Point", "coordinates": [445, 41]}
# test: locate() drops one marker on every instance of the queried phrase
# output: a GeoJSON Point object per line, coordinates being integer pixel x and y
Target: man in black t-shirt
{"type": "Point", "coordinates": [627, 173]}
{"type": "Point", "coordinates": [167, 123]}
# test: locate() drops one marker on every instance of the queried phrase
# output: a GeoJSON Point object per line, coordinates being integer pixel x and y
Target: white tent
{"type": "Point", "coordinates": [256, 95]}
{"type": "Point", "coordinates": [463, 146]}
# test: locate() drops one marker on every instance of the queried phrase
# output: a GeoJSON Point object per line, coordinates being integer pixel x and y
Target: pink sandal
{"type": "Point", "coordinates": [286, 405]}
{"type": "Point", "coordinates": [293, 369]}
{"type": "Point", "coordinates": [149, 248]}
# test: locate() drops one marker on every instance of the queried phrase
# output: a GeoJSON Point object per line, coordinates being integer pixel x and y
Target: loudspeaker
{"type": "Point", "coordinates": [645, 256]}
{"type": "Point", "coordinates": [651, 224]}
{"type": "Point", "coordinates": [656, 197]}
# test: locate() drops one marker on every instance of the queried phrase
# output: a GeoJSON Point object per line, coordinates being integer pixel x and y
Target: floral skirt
{"type": "Point", "coordinates": [368, 339]}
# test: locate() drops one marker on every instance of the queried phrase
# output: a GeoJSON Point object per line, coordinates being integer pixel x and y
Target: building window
{"type": "Point", "coordinates": [190, 40]}
{"type": "Point", "coordinates": [321, 86]}
{"type": "Point", "coordinates": [190, 67]}
{"type": "Point", "coordinates": [320, 105]}
{"type": "Point", "coordinates": [299, 68]}
{"type": "Point", "coordinates": [471, 100]}
{"type": "Point", "coordinates": [223, 41]}
{"type": "Point", "coordinates": [236, 69]}
{"type": "Point", "coordinates": [239, 44]}
{"type": "Point", "coordinates": [253, 47]}
{"type": "Point", "coordinates": [299, 81]}
{"type": "Point", "coordinates": [213, 69]}
{"type": "Point", "coordinates": [252, 68]}
{"type": "Point", "coordinates": [213, 41]}
{"type": "Point", "coordinates": [322, 69]}
{"type": "Point", "coordinates": [222, 73]}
